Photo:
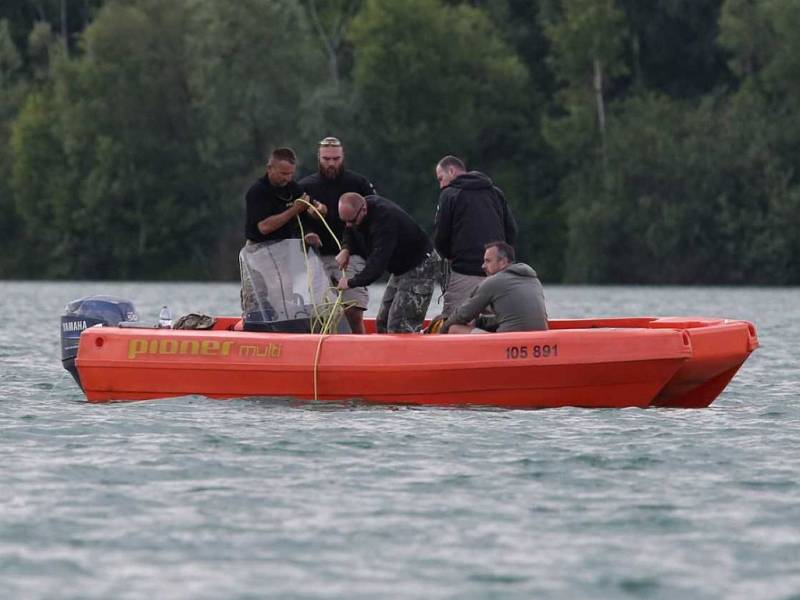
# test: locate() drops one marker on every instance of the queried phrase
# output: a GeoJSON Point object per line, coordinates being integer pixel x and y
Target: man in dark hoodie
{"type": "Point", "coordinates": [391, 240]}
{"type": "Point", "coordinates": [472, 211]}
{"type": "Point", "coordinates": [511, 290]}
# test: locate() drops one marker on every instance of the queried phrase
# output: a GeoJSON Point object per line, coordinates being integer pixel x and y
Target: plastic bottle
{"type": "Point", "coordinates": [165, 318]}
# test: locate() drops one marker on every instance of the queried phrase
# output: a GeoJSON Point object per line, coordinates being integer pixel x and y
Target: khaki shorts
{"type": "Point", "coordinates": [459, 289]}
{"type": "Point", "coordinates": [357, 296]}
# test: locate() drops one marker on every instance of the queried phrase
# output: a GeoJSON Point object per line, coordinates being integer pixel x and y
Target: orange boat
{"type": "Point", "coordinates": [600, 363]}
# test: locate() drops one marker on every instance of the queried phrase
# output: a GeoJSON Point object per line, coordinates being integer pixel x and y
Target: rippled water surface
{"type": "Point", "coordinates": [196, 498]}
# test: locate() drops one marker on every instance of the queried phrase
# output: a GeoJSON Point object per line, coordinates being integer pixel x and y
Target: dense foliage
{"type": "Point", "coordinates": [651, 141]}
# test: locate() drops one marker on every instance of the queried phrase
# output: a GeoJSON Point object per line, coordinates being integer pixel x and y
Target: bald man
{"type": "Point", "coordinates": [391, 240]}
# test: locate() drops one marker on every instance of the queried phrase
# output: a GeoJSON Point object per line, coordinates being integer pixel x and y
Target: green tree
{"type": "Point", "coordinates": [12, 91]}
{"type": "Point", "coordinates": [129, 192]}
{"type": "Point", "coordinates": [156, 128]}
{"type": "Point", "coordinates": [330, 21]}
{"type": "Point", "coordinates": [697, 195]}
{"type": "Point", "coordinates": [251, 83]}
{"type": "Point", "coordinates": [41, 188]}
{"type": "Point", "coordinates": [256, 69]}
{"type": "Point", "coordinates": [432, 80]}
{"type": "Point", "coordinates": [587, 57]}
{"type": "Point", "coordinates": [761, 39]}
{"type": "Point", "coordinates": [587, 54]}
{"type": "Point", "coordinates": [528, 169]}
{"type": "Point", "coordinates": [673, 46]}
{"type": "Point", "coordinates": [129, 129]}
{"type": "Point", "coordinates": [65, 17]}
{"type": "Point", "coordinates": [745, 31]}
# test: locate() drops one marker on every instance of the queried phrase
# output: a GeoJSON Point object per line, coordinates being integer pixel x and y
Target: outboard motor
{"type": "Point", "coordinates": [84, 313]}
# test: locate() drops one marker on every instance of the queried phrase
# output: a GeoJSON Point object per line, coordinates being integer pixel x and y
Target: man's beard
{"type": "Point", "coordinates": [331, 172]}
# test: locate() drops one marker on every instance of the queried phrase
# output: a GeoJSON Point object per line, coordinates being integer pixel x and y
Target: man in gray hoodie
{"type": "Point", "coordinates": [511, 290]}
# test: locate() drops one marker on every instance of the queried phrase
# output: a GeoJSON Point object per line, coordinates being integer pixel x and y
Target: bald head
{"type": "Point", "coordinates": [352, 207]}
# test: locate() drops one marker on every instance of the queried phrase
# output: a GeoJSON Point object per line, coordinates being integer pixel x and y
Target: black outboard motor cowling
{"type": "Point", "coordinates": [84, 313]}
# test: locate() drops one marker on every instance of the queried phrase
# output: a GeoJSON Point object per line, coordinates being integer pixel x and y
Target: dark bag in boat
{"type": "Point", "coordinates": [194, 321]}
{"type": "Point", "coordinates": [302, 325]}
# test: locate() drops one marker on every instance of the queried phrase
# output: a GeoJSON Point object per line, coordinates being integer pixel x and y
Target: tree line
{"type": "Point", "coordinates": [637, 141]}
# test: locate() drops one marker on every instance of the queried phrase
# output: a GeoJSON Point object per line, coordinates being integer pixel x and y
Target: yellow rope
{"type": "Point", "coordinates": [317, 312]}
{"type": "Point", "coordinates": [325, 330]}
{"type": "Point", "coordinates": [322, 218]}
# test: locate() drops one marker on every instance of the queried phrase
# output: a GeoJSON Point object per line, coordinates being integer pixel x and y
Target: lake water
{"type": "Point", "coordinates": [197, 498]}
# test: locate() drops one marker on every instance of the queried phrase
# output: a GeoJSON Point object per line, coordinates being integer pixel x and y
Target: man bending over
{"type": "Point", "coordinates": [391, 240]}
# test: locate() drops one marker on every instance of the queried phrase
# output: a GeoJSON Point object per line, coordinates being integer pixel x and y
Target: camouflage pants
{"type": "Point", "coordinates": [406, 299]}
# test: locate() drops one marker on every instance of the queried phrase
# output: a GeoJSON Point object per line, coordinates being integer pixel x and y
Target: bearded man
{"type": "Point", "coordinates": [326, 186]}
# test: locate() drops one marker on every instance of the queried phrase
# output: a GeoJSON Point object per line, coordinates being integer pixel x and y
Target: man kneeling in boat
{"type": "Point", "coordinates": [512, 291]}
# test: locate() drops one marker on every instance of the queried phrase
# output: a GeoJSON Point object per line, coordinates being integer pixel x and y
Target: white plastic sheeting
{"type": "Point", "coordinates": [280, 283]}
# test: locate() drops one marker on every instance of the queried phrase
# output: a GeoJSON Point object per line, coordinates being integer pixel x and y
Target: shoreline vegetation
{"type": "Point", "coordinates": [637, 143]}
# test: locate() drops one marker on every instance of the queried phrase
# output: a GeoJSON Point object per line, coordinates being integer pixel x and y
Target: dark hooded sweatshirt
{"type": "Point", "coordinates": [389, 239]}
{"type": "Point", "coordinates": [472, 212]}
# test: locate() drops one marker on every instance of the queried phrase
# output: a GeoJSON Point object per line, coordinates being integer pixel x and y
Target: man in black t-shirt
{"type": "Point", "coordinates": [327, 186]}
{"type": "Point", "coordinates": [273, 202]}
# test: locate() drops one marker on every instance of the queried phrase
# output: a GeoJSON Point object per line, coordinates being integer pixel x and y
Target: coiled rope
{"type": "Point", "coordinates": [328, 323]}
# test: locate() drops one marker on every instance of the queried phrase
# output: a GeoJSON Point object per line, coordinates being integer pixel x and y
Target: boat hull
{"type": "Point", "coordinates": [600, 363]}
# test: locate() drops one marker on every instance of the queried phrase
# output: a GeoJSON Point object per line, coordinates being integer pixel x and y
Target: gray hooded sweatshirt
{"type": "Point", "coordinates": [515, 296]}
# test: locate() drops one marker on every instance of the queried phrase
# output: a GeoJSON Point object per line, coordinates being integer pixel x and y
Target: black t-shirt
{"type": "Point", "coordinates": [263, 200]}
{"type": "Point", "coordinates": [328, 192]}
